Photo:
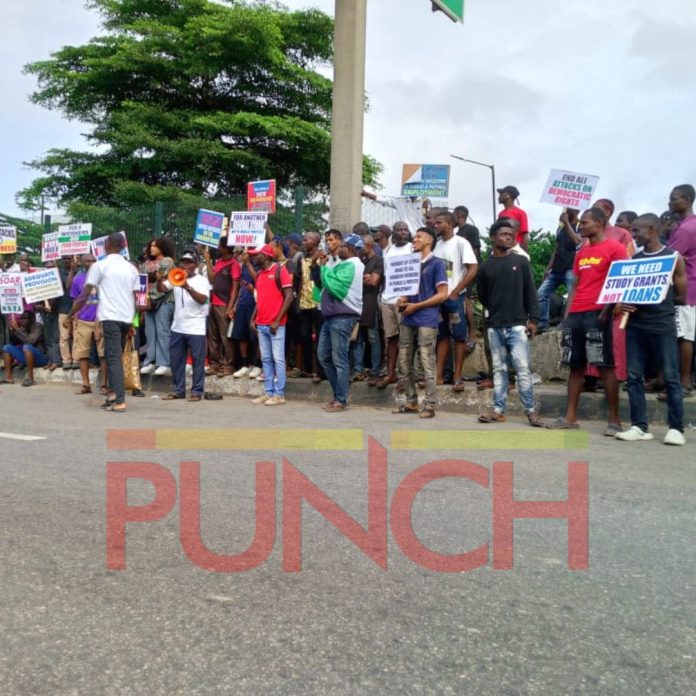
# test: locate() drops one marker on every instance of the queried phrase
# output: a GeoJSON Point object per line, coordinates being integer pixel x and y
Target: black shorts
{"type": "Point", "coordinates": [587, 340]}
{"type": "Point", "coordinates": [241, 331]}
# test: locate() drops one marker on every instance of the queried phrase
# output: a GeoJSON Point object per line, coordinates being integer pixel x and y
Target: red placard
{"type": "Point", "coordinates": [261, 195]}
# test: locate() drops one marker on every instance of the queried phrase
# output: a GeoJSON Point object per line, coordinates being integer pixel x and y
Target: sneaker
{"type": "Point", "coordinates": [275, 401]}
{"type": "Point", "coordinates": [254, 373]}
{"type": "Point", "coordinates": [633, 434]}
{"type": "Point", "coordinates": [261, 399]}
{"type": "Point", "coordinates": [189, 369]}
{"type": "Point", "coordinates": [612, 430]}
{"type": "Point", "coordinates": [241, 372]}
{"type": "Point", "coordinates": [674, 437]}
{"type": "Point", "coordinates": [162, 370]}
{"type": "Point", "coordinates": [147, 369]}
{"type": "Point", "coordinates": [295, 373]}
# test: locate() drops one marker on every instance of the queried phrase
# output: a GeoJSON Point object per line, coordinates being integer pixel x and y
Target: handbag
{"type": "Point", "coordinates": [131, 366]}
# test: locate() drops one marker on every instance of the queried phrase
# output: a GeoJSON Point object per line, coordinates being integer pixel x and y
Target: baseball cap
{"type": "Point", "coordinates": [354, 241]}
{"type": "Point", "coordinates": [295, 238]}
{"type": "Point", "coordinates": [187, 256]}
{"type": "Point", "coordinates": [266, 250]}
{"type": "Point", "coordinates": [512, 190]}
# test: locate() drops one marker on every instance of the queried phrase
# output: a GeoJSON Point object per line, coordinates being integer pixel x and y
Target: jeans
{"type": "Point", "coordinates": [510, 341]}
{"type": "Point", "coordinates": [157, 328]}
{"type": "Point", "coordinates": [375, 341]}
{"type": "Point", "coordinates": [334, 354]}
{"type": "Point", "coordinates": [425, 338]}
{"type": "Point", "coordinates": [645, 349]}
{"type": "Point", "coordinates": [115, 335]}
{"type": "Point", "coordinates": [553, 280]}
{"type": "Point", "coordinates": [52, 338]}
{"type": "Point", "coordinates": [179, 346]}
{"type": "Point", "coordinates": [272, 349]}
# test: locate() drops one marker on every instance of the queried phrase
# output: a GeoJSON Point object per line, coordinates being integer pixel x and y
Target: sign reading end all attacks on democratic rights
{"type": "Point", "coordinates": [638, 281]}
{"type": "Point", "coordinates": [570, 189]}
{"type": "Point", "coordinates": [261, 195]}
{"type": "Point", "coordinates": [209, 226]}
{"type": "Point", "coordinates": [425, 180]}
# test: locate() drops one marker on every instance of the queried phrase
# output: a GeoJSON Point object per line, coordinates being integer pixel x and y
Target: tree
{"type": "Point", "coordinates": [190, 97]}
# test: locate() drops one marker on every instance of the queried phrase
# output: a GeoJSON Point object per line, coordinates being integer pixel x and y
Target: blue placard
{"type": "Point", "coordinates": [208, 228]}
{"type": "Point", "coordinates": [428, 181]}
{"type": "Point", "coordinates": [638, 281]}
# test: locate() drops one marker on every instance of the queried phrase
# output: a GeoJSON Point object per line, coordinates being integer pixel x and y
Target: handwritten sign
{"type": "Point", "coordinates": [50, 247]}
{"type": "Point", "coordinates": [209, 226]}
{"type": "Point", "coordinates": [99, 248]}
{"type": "Point", "coordinates": [75, 239]}
{"type": "Point", "coordinates": [638, 281]}
{"type": "Point", "coordinates": [569, 189]}
{"type": "Point", "coordinates": [247, 229]}
{"type": "Point", "coordinates": [42, 284]}
{"type": "Point", "coordinates": [402, 275]}
{"type": "Point", "coordinates": [8, 239]}
{"type": "Point", "coordinates": [261, 195]}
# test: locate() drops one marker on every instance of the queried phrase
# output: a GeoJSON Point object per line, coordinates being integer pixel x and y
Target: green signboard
{"type": "Point", "coordinates": [454, 9]}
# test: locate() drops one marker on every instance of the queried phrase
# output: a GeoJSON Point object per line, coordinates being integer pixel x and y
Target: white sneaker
{"type": "Point", "coordinates": [241, 372]}
{"type": "Point", "coordinates": [147, 369]}
{"type": "Point", "coordinates": [162, 370]}
{"type": "Point", "coordinates": [275, 401]}
{"type": "Point", "coordinates": [261, 399]}
{"type": "Point", "coordinates": [674, 437]}
{"type": "Point", "coordinates": [189, 369]}
{"type": "Point", "coordinates": [633, 434]}
{"type": "Point", "coordinates": [254, 373]}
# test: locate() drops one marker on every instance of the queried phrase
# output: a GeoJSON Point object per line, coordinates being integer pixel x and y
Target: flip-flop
{"type": "Point", "coordinates": [406, 408]}
{"type": "Point", "coordinates": [562, 424]}
{"type": "Point", "coordinates": [172, 397]}
{"type": "Point", "coordinates": [459, 386]}
{"type": "Point", "coordinates": [427, 412]}
{"type": "Point", "coordinates": [6, 381]}
{"type": "Point", "coordinates": [84, 390]}
{"type": "Point", "coordinates": [113, 408]}
{"type": "Point", "coordinates": [28, 382]}
{"type": "Point", "coordinates": [335, 408]}
{"type": "Point", "coordinates": [194, 397]}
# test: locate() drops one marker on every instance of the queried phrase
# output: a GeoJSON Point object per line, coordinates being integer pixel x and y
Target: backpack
{"type": "Point", "coordinates": [295, 306]}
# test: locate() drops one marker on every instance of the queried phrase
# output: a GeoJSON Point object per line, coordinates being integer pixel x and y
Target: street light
{"type": "Point", "coordinates": [489, 166]}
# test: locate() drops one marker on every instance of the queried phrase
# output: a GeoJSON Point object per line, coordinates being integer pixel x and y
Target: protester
{"type": "Point", "coordinates": [559, 270]}
{"type": "Point", "coordinates": [159, 258]}
{"type": "Point", "coordinates": [651, 339]}
{"type": "Point", "coordinates": [469, 232]}
{"type": "Point", "coordinates": [626, 219]}
{"type": "Point", "coordinates": [243, 311]}
{"type": "Point", "coordinates": [118, 283]}
{"type": "Point", "coordinates": [388, 303]}
{"type": "Point", "coordinates": [382, 236]}
{"type": "Point", "coordinates": [410, 210]}
{"type": "Point", "coordinates": [341, 306]}
{"type": "Point", "coordinates": [506, 290]}
{"type": "Point", "coordinates": [419, 324]}
{"type": "Point", "coordinates": [507, 197]}
{"type": "Point", "coordinates": [191, 306]}
{"type": "Point", "coordinates": [461, 268]}
{"type": "Point", "coordinates": [295, 266]}
{"type": "Point", "coordinates": [310, 316]}
{"type": "Point", "coordinates": [60, 307]}
{"type": "Point", "coordinates": [588, 325]}
{"type": "Point", "coordinates": [28, 334]}
{"type": "Point", "coordinates": [273, 300]}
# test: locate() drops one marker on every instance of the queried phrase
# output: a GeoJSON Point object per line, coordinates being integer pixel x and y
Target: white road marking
{"type": "Point", "coordinates": [17, 436]}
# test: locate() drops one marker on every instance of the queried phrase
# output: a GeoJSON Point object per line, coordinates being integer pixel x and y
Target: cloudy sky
{"type": "Point", "coordinates": [598, 87]}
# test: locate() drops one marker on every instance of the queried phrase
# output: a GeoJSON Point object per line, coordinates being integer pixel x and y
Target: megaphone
{"type": "Point", "coordinates": [177, 277]}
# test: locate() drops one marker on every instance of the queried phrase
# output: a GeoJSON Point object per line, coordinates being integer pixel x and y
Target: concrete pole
{"type": "Point", "coordinates": [348, 109]}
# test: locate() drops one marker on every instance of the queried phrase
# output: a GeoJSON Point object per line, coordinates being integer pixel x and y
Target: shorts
{"type": "Point", "coordinates": [686, 322]}
{"type": "Point", "coordinates": [453, 322]}
{"type": "Point", "coordinates": [391, 319]}
{"type": "Point", "coordinates": [241, 331]}
{"type": "Point", "coordinates": [587, 340]}
{"type": "Point", "coordinates": [83, 334]}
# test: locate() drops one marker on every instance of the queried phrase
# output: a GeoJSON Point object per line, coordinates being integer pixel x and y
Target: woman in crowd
{"type": "Point", "coordinates": [25, 348]}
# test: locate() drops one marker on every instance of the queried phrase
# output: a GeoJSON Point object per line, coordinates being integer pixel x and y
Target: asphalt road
{"type": "Point", "coordinates": [342, 625]}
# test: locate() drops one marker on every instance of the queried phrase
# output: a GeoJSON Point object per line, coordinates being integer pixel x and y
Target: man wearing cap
{"type": "Point", "coordinates": [507, 197]}
{"type": "Point", "coordinates": [273, 300]}
{"type": "Point", "coordinates": [191, 306]}
{"type": "Point", "coordinates": [341, 302]}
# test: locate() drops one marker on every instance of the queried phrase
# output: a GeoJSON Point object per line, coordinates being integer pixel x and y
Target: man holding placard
{"type": "Point", "coordinates": [651, 334]}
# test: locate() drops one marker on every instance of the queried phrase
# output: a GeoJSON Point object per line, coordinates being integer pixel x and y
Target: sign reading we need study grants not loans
{"type": "Point", "coordinates": [570, 189]}
{"type": "Point", "coordinates": [638, 281]}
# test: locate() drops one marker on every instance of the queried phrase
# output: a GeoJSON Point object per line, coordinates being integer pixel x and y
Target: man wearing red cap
{"type": "Point", "coordinates": [507, 197]}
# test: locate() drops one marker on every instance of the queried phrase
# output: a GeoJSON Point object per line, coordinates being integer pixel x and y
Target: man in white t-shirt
{"type": "Point", "coordinates": [191, 306]}
{"type": "Point", "coordinates": [461, 268]}
{"type": "Point", "coordinates": [408, 209]}
{"type": "Point", "coordinates": [117, 281]}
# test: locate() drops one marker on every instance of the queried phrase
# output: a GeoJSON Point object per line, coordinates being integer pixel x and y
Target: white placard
{"type": "Point", "coordinates": [42, 284]}
{"type": "Point", "coordinates": [570, 189]}
{"type": "Point", "coordinates": [247, 229]}
{"type": "Point", "coordinates": [402, 275]}
{"type": "Point", "coordinates": [75, 239]}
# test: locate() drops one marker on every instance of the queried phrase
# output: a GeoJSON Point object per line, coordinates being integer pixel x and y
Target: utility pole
{"type": "Point", "coordinates": [348, 111]}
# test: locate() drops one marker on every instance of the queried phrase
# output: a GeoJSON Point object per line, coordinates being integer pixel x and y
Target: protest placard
{"type": "Point", "coordinates": [141, 295]}
{"type": "Point", "coordinates": [50, 247]}
{"type": "Point", "coordinates": [570, 189]}
{"type": "Point", "coordinates": [638, 281]}
{"type": "Point", "coordinates": [402, 275]}
{"type": "Point", "coordinates": [8, 239]}
{"type": "Point", "coordinates": [425, 180]}
{"type": "Point", "coordinates": [261, 195]}
{"type": "Point", "coordinates": [209, 226]}
{"type": "Point", "coordinates": [247, 229]}
{"type": "Point", "coordinates": [11, 299]}
{"type": "Point", "coordinates": [75, 239]}
{"type": "Point", "coordinates": [10, 279]}
{"type": "Point", "coordinates": [99, 248]}
{"type": "Point", "coordinates": [42, 284]}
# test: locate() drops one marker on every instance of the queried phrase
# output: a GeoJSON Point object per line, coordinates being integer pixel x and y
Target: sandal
{"type": "Point", "coordinates": [194, 397]}
{"type": "Point", "coordinates": [372, 382]}
{"type": "Point", "coordinates": [28, 382]}
{"type": "Point", "coordinates": [459, 386]}
{"type": "Point", "coordinates": [316, 379]}
{"type": "Point", "coordinates": [171, 397]}
{"type": "Point", "coordinates": [612, 430]}
{"type": "Point", "coordinates": [52, 367]}
{"type": "Point", "coordinates": [116, 408]}
{"type": "Point", "coordinates": [84, 389]}
{"type": "Point", "coordinates": [104, 391]}
{"type": "Point", "coordinates": [385, 382]}
{"type": "Point", "coordinates": [427, 412]}
{"type": "Point", "coordinates": [406, 408]}
{"type": "Point", "coordinates": [492, 417]}
{"type": "Point", "coordinates": [562, 424]}
{"type": "Point", "coordinates": [335, 407]}
{"type": "Point", "coordinates": [535, 420]}
{"type": "Point", "coordinates": [485, 384]}
{"type": "Point", "coordinates": [6, 381]}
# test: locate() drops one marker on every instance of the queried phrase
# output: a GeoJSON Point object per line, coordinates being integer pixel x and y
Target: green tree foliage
{"type": "Point", "coordinates": [190, 98]}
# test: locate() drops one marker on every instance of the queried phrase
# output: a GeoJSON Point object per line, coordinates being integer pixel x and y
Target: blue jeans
{"type": "Point", "coordinates": [333, 352]}
{"type": "Point", "coordinates": [157, 328]}
{"type": "Point", "coordinates": [553, 280]}
{"type": "Point", "coordinates": [17, 352]}
{"type": "Point", "coordinates": [511, 341]}
{"type": "Point", "coordinates": [179, 346]}
{"type": "Point", "coordinates": [374, 339]}
{"type": "Point", "coordinates": [643, 348]}
{"type": "Point", "coordinates": [272, 349]}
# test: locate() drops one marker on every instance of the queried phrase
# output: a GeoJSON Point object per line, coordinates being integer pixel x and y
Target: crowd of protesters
{"type": "Point", "coordinates": [318, 303]}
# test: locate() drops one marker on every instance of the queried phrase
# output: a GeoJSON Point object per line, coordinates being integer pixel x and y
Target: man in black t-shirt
{"type": "Point", "coordinates": [469, 232]}
{"type": "Point", "coordinates": [560, 268]}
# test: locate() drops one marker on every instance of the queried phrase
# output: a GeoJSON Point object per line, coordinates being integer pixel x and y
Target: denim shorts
{"type": "Point", "coordinates": [586, 339]}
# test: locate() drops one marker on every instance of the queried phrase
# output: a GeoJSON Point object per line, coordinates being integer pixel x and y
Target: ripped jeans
{"type": "Point", "coordinates": [511, 341]}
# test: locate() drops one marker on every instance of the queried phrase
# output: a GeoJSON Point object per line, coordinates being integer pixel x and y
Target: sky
{"type": "Point", "coordinates": [602, 88]}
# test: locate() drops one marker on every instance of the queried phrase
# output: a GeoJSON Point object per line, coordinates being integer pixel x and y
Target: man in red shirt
{"type": "Point", "coordinates": [507, 197]}
{"type": "Point", "coordinates": [224, 276]}
{"type": "Point", "coordinates": [587, 330]}
{"type": "Point", "coordinates": [273, 300]}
